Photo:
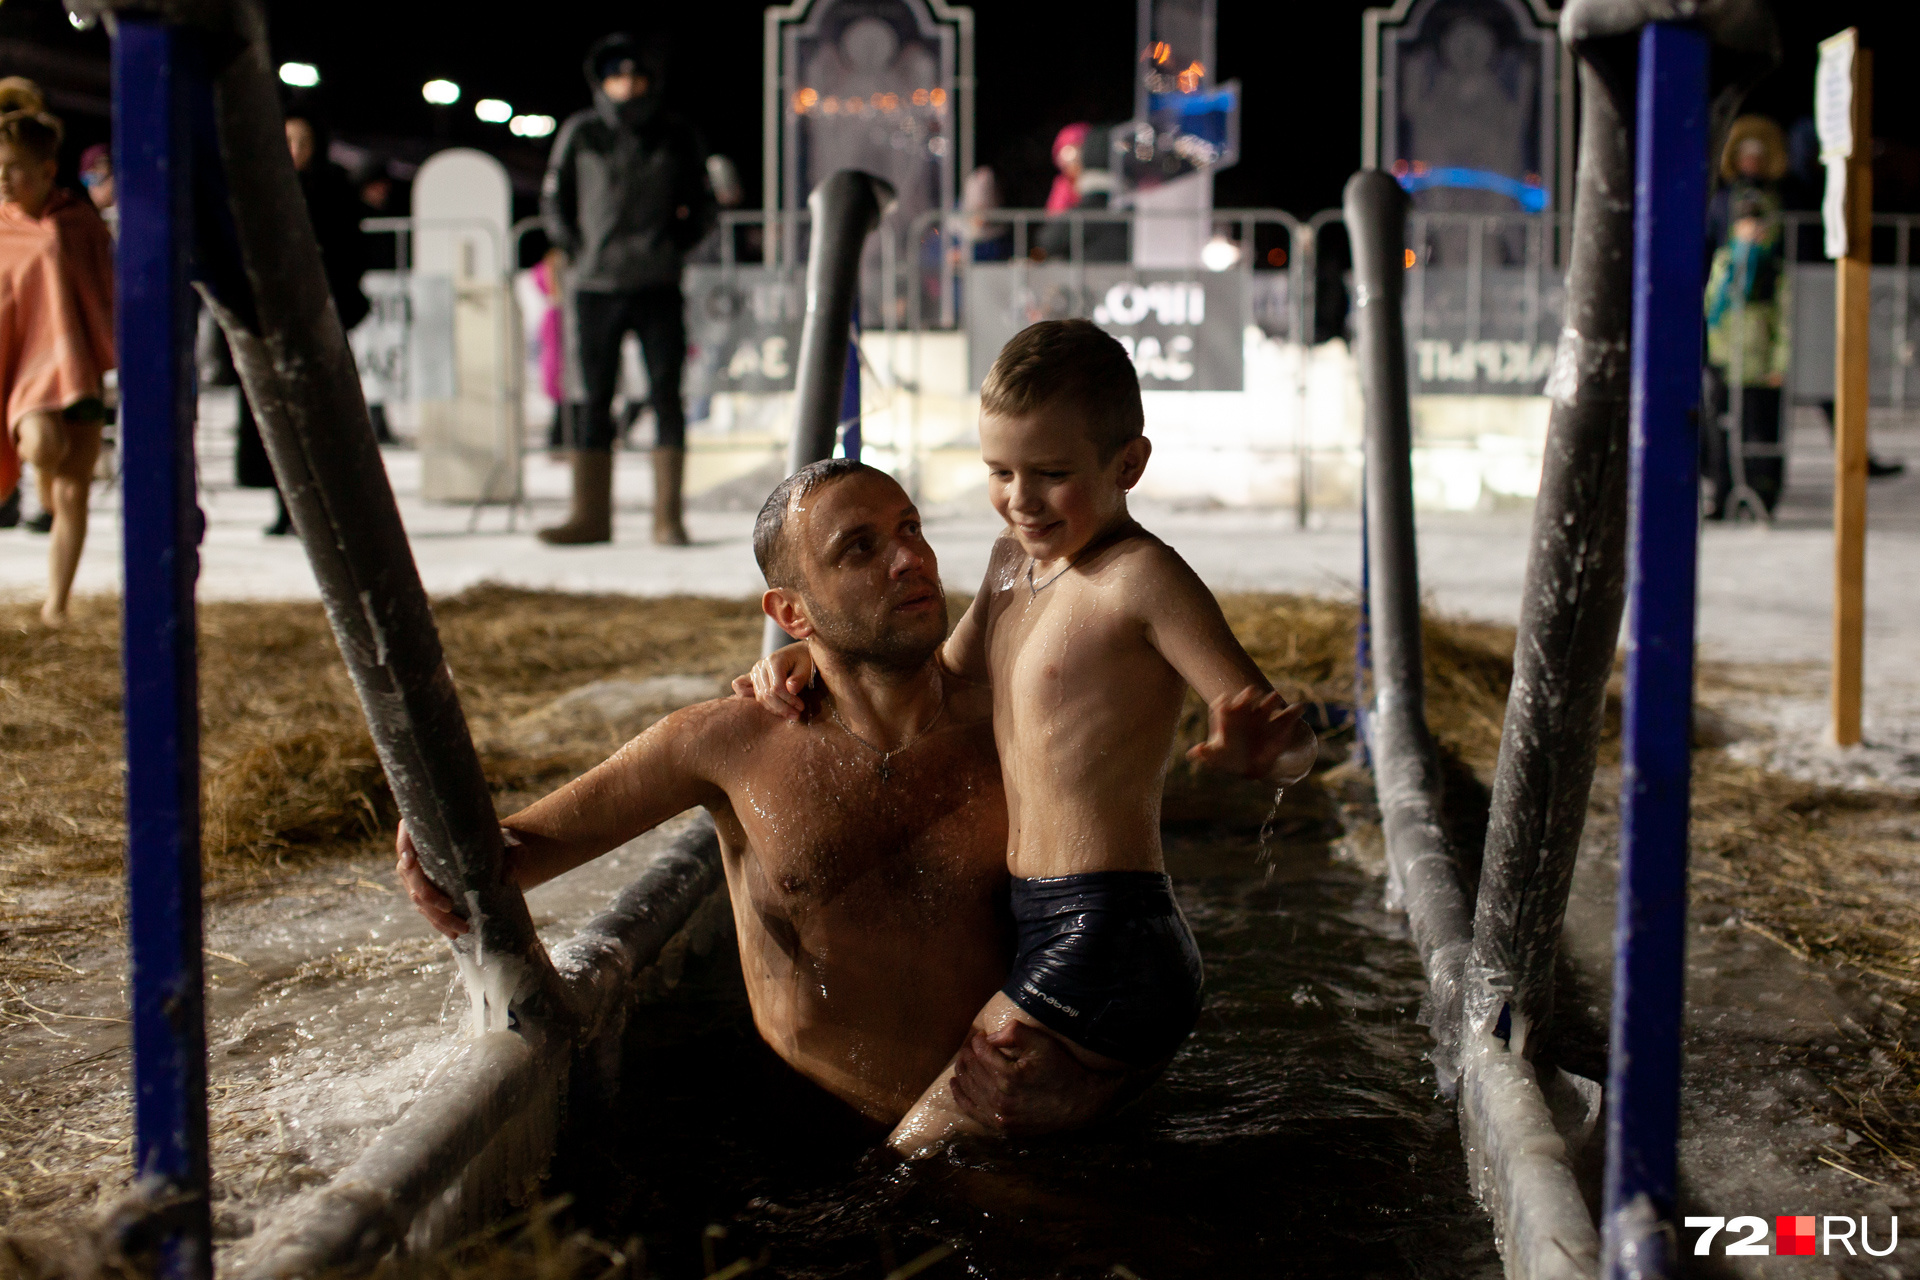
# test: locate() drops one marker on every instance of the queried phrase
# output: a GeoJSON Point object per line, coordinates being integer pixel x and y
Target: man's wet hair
{"type": "Point", "coordinates": [1075, 361]}
{"type": "Point", "coordinates": [769, 530]}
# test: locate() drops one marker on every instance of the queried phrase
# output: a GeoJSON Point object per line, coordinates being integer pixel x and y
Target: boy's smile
{"type": "Point", "coordinates": [1046, 479]}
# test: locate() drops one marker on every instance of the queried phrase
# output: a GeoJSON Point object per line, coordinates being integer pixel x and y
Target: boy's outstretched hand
{"type": "Point", "coordinates": [1258, 736]}
{"type": "Point", "coordinates": [778, 679]}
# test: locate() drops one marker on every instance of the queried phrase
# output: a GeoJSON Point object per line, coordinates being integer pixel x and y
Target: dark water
{"type": "Point", "coordinates": [1296, 1134]}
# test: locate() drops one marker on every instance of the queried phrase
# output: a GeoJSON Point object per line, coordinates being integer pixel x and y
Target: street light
{"type": "Point", "coordinates": [531, 126]}
{"type": "Point", "coordinates": [1219, 254]}
{"type": "Point", "coordinates": [441, 93]}
{"type": "Point", "coordinates": [301, 75]}
{"type": "Point", "coordinates": [493, 111]}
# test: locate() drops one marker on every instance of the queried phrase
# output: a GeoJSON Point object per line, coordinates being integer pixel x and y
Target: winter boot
{"type": "Point", "coordinates": [669, 468]}
{"type": "Point", "coordinates": [591, 519]}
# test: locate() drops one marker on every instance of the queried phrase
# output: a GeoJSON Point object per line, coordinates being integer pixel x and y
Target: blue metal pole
{"type": "Point", "coordinates": [1670, 197]}
{"type": "Point", "coordinates": [850, 392]}
{"type": "Point", "coordinates": [156, 73]}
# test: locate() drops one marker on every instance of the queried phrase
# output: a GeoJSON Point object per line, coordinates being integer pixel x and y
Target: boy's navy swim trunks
{"type": "Point", "coordinates": [1106, 959]}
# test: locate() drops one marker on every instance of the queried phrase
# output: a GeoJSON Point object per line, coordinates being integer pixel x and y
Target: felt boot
{"type": "Point", "coordinates": [591, 519]}
{"type": "Point", "coordinates": [669, 469]}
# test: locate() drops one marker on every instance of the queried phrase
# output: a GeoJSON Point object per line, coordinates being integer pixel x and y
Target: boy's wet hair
{"type": "Point", "coordinates": [769, 529]}
{"type": "Point", "coordinates": [1071, 360]}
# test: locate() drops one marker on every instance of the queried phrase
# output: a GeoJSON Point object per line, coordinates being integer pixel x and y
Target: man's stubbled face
{"type": "Point", "coordinates": [870, 585]}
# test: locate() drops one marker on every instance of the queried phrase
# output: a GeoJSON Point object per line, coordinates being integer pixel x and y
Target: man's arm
{"type": "Point", "coordinates": [1023, 1081]}
{"type": "Point", "coordinates": [663, 772]}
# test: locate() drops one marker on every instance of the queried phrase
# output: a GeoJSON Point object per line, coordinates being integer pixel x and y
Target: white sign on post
{"type": "Point", "coordinates": [1833, 117]}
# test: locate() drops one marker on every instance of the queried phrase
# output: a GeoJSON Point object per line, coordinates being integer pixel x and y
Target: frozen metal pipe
{"type": "Point", "coordinates": [850, 388]}
{"type": "Point", "coordinates": [1518, 1164]}
{"type": "Point", "coordinates": [300, 378]}
{"type": "Point", "coordinates": [846, 207]}
{"type": "Point", "coordinates": [1574, 590]}
{"type": "Point", "coordinates": [1424, 874]}
{"type": "Point", "coordinates": [1575, 585]}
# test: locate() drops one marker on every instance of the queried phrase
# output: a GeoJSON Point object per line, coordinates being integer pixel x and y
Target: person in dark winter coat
{"type": "Point", "coordinates": [334, 210]}
{"type": "Point", "coordinates": [625, 198]}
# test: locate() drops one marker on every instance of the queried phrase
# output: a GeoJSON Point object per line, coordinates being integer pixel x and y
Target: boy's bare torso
{"type": "Point", "coordinates": [1084, 707]}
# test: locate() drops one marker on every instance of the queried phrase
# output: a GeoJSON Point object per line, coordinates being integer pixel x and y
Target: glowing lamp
{"type": "Point", "coordinates": [1219, 254]}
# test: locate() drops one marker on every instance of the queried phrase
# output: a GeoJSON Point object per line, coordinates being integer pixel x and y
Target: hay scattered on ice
{"type": "Point", "coordinates": [289, 773]}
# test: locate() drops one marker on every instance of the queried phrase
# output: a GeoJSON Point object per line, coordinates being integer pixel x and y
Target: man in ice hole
{"type": "Point", "coordinates": [865, 857]}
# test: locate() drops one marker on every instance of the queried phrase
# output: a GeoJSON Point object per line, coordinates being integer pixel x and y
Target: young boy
{"type": "Point", "coordinates": [1090, 630]}
{"type": "Point", "coordinates": [56, 332]}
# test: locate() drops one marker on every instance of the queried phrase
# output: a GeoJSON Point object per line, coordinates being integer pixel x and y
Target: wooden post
{"type": "Point", "coordinates": [1852, 282]}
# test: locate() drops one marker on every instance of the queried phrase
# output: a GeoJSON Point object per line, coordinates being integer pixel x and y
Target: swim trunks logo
{"type": "Point", "coordinates": [1038, 994]}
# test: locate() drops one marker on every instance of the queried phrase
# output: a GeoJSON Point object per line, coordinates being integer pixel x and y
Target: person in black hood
{"type": "Point", "coordinates": [335, 212]}
{"type": "Point", "coordinates": [625, 198]}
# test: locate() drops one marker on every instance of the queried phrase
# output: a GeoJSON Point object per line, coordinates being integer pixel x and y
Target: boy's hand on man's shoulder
{"type": "Point", "coordinates": [1257, 735]}
{"type": "Point", "coordinates": [779, 681]}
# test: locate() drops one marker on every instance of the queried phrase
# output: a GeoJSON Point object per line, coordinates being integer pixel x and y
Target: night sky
{"type": "Point", "coordinates": [1041, 64]}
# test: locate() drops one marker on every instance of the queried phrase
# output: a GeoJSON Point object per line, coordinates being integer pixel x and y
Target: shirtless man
{"type": "Point", "coordinates": [865, 851]}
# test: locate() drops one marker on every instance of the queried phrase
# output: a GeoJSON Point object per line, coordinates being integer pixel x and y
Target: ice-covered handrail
{"type": "Point", "coordinates": [1487, 1023]}
{"type": "Point", "coordinates": [1518, 1163]}
{"type": "Point", "coordinates": [1575, 586]}
{"type": "Point", "coordinates": [843, 210]}
{"type": "Point", "coordinates": [1424, 874]}
{"type": "Point", "coordinates": [299, 375]}
{"type": "Point", "coordinates": [259, 272]}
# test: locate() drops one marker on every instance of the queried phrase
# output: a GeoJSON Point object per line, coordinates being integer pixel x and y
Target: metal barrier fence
{"type": "Point", "coordinates": [1484, 302]}
{"type": "Point", "coordinates": [1894, 330]}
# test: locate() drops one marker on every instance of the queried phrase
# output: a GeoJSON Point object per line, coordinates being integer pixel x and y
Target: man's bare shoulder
{"type": "Point", "coordinates": [707, 735]}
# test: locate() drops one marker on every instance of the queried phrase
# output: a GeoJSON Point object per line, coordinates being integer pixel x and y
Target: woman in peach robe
{"type": "Point", "coordinates": [56, 338]}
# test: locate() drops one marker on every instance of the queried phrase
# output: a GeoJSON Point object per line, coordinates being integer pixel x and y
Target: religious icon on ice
{"type": "Point", "coordinates": [1467, 102]}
